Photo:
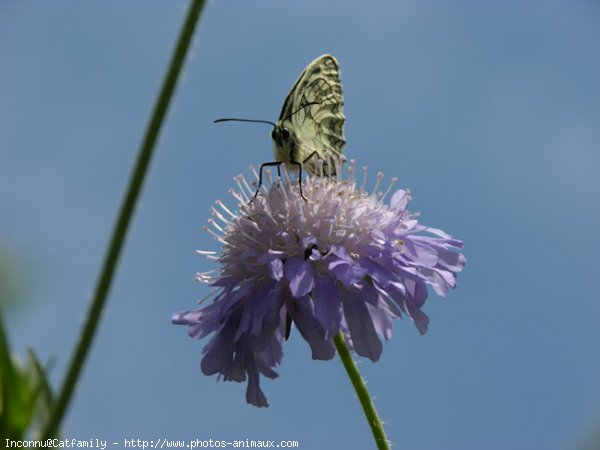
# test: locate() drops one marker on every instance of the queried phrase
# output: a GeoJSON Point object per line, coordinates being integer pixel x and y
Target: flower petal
{"type": "Point", "coordinates": [410, 300]}
{"type": "Point", "coordinates": [364, 337]}
{"type": "Point", "coordinates": [254, 394]}
{"type": "Point", "coordinates": [328, 308]}
{"type": "Point", "coordinates": [300, 274]}
{"type": "Point", "coordinates": [218, 353]}
{"type": "Point", "coordinates": [382, 320]}
{"type": "Point", "coordinates": [302, 312]}
{"type": "Point", "coordinates": [275, 269]}
{"type": "Point", "coordinates": [399, 200]}
{"type": "Point", "coordinates": [419, 318]}
{"type": "Point", "coordinates": [345, 271]}
{"type": "Point", "coordinates": [308, 241]}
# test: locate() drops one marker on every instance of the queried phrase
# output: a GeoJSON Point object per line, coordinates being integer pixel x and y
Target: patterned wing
{"type": "Point", "coordinates": [318, 127]}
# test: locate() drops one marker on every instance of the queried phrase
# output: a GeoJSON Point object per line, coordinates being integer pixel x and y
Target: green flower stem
{"type": "Point", "coordinates": [362, 392]}
{"type": "Point", "coordinates": [125, 215]}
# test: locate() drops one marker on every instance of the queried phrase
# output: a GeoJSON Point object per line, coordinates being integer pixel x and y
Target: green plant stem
{"type": "Point", "coordinates": [124, 218]}
{"type": "Point", "coordinates": [362, 392]}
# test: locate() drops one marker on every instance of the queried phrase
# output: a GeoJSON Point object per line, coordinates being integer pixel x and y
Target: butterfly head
{"type": "Point", "coordinates": [280, 135]}
{"type": "Point", "coordinates": [286, 143]}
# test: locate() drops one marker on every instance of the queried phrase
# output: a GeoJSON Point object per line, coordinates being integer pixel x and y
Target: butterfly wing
{"type": "Point", "coordinates": [318, 127]}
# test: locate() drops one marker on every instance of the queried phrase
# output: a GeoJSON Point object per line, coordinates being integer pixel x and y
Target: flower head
{"type": "Point", "coordinates": [340, 259]}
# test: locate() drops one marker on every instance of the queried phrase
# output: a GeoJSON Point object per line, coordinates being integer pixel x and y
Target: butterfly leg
{"type": "Point", "coordinates": [260, 174]}
{"type": "Point", "coordinates": [299, 177]}
{"type": "Point", "coordinates": [309, 157]}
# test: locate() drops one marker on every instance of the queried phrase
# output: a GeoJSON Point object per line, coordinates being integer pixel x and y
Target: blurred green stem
{"type": "Point", "coordinates": [125, 215]}
{"type": "Point", "coordinates": [362, 392]}
{"type": "Point", "coordinates": [4, 345]}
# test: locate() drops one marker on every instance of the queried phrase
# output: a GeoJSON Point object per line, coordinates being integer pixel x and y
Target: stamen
{"type": "Point", "coordinates": [364, 181]}
{"type": "Point", "coordinates": [331, 224]}
{"type": "Point", "coordinates": [253, 170]}
{"type": "Point", "coordinates": [287, 185]}
{"type": "Point", "coordinates": [249, 190]}
{"type": "Point", "coordinates": [379, 178]}
{"type": "Point", "coordinates": [224, 208]}
{"type": "Point", "coordinates": [351, 170]}
{"type": "Point", "coordinates": [339, 165]}
{"type": "Point", "coordinates": [237, 180]}
{"type": "Point", "coordinates": [393, 181]}
{"type": "Point", "coordinates": [238, 196]}
{"type": "Point", "coordinates": [245, 234]}
{"type": "Point", "coordinates": [269, 175]}
{"type": "Point", "coordinates": [207, 296]}
{"type": "Point", "coordinates": [216, 225]}
{"type": "Point", "coordinates": [284, 190]}
{"type": "Point", "coordinates": [205, 277]}
{"type": "Point", "coordinates": [214, 234]}
{"type": "Point", "coordinates": [267, 213]}
{"type": "Point", "coordinates": [319, 164]}
{"type": "Point", "coordinates": [219, 216]}
{"type": "Point", "coordinates": [287, 175]}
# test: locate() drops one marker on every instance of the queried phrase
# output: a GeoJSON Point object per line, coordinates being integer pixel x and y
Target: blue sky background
{"type": "Point", "coordinates": [488, 111]}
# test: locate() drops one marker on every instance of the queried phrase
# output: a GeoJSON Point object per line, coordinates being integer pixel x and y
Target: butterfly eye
{"type": "Point", "coordinates": [274, 134]}
{"type": "Point", "coordinates": [285, 134]}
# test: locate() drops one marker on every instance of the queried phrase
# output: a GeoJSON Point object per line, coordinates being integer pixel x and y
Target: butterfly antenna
{"type": "Point", "coordinates": [232, 119]}
{"type": "Point", "coordinates": [300, 109]}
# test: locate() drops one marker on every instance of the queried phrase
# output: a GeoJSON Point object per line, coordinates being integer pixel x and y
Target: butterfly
{"type": "Point", "coordinates": [311, 123]}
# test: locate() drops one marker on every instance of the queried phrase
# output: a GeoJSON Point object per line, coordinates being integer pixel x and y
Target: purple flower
{"type": "Point", "coordinates": [339, 260]}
